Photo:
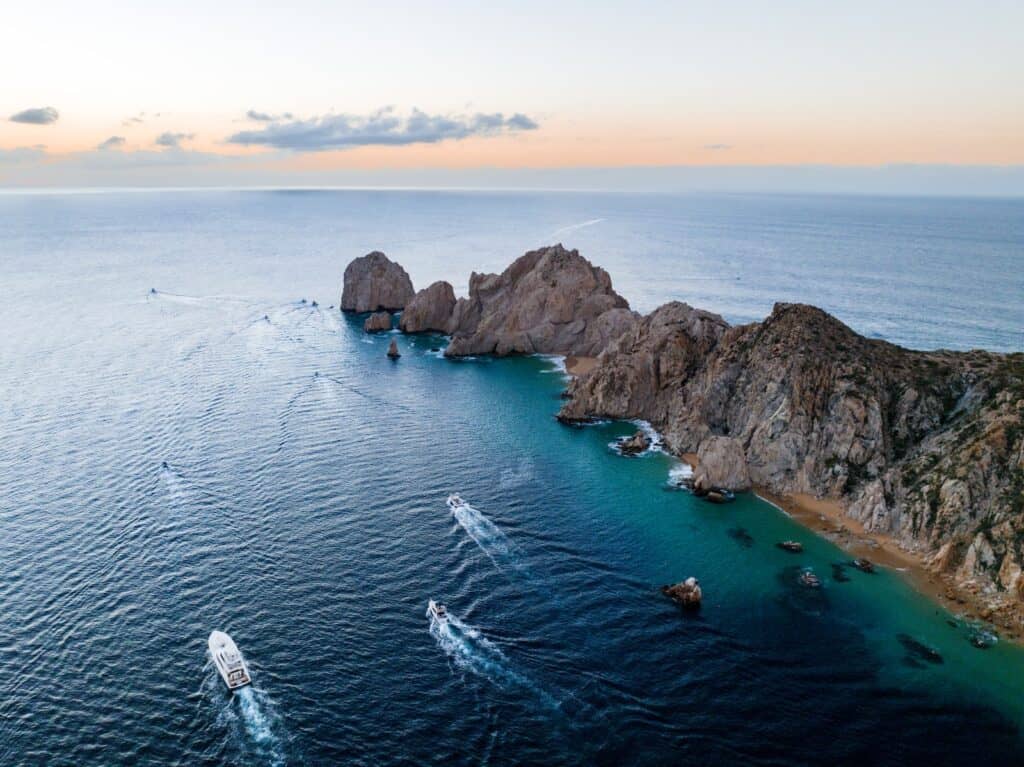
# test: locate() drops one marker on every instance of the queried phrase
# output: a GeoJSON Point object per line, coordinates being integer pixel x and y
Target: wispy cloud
{"type": "Point", "coordinates": [267, 117]}
{"type": "Point", "coordinates": [36, 116]}
{"type": "Point", "coordinates": [384, 127]}
{"type": "Point", "coordinates": [114, 142]}
{"type": "Point", "coordinates": [173, 140]}
{"type": "Point", "coordinates": [718, 147]}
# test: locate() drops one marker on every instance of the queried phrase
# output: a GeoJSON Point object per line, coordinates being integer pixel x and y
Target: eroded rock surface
{"type": "Point", "coordinates": [377, 322]}
{"type": "Point", "coordinates": [549, 301]}
{"type": "Point", "coordinates": [430, 310]}
{"type": "Point", "coordinates": [374, 282]}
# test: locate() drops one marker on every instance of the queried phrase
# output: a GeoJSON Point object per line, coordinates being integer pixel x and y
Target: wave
{"type": "Point", "coordinates": [471, 651]}
{"type": "Point", "coordinates": [488, 536]}
{"type": "Point", "coordinates": [679, 474]}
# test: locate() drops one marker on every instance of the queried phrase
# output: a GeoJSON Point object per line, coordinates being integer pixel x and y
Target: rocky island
{"type": "Point", "coordinates": [925, 449]}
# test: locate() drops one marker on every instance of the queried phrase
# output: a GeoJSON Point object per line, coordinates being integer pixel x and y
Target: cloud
{"type": "Point", "coordinates": [114, 142]}
{"type": "Point", "coordinates": [22, 155]}
{"type": "Point", "coordinates": [384, 127]}
{"type": "Point", "coordinates": [139, 119]}
{"type": "Point", "coordinates": [37, 116]}
{"type": "Point", "coordinates": [267, 117]}
{"type": "Point", "coordinates": [173, 140]}
{"type": "Point", "coordinates": [718, 147]}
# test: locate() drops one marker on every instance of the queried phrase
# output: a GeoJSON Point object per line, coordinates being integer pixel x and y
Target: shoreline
{"type": "Point", "coordinates": [826, 518]}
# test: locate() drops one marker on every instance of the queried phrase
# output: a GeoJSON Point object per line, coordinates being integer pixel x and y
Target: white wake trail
{"type": "Point", "coordinates": [574, 227]}
{"type": "Point", "coordinates": [473, 652]}
{"type": "Point", "coordinates": [488, 536]}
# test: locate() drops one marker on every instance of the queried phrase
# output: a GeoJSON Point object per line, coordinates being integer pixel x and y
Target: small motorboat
{"type": "Point", "coordinates": [794, 546]}
{"type": "Point", "coordinates": [864, 565]}
{"type": "Point", "coordinates": [437, 612]}
{"type": "Point", "coordinates": [455, 502]}
{"type": "Point", "coordinates": [228, 660]}
{"type": "Point", "coordinates": [809, 579]}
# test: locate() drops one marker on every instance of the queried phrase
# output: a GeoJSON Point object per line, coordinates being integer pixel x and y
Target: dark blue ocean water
{"type": "Point", "coordinates": [302, 503]}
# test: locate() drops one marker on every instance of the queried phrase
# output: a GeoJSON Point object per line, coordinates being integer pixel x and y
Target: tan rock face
{"type": "Point", "coordinates": [377, 322]}
{"type": "Point", "coordinates": [721, 462]}
{"type": "Point", "coordinates": [430, 310]}
{"type": "Point", "coordinates": [375, 282]}
{"type": "Point", "coordinates": [549, 301]}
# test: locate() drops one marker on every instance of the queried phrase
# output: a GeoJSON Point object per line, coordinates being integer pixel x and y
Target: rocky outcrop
{"type": "Point", "coordinates": [393, 352]}
{"type": "Point", "coordinates": [430, 310]}
{"type": "Point", "coordinates": [922, 446]}
{"type": "Point", "coordinates": [549, 301]}
{"type": "Point", "coordinates": [687, 593]}
{"type": "Point", "coordinates": [377, 322]}
{"type": "Point", "coordinates": [635, 444]}
{"type": "Point", "coordinates": [721, 462]}
{"type": "Point", "coordinates": [374, 282]}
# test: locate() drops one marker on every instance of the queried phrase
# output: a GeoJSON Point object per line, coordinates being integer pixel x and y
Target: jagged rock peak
{"type": "Point", "coordinates": [548, 301]}
{"type": "Point", "coordinates": [373, 282]}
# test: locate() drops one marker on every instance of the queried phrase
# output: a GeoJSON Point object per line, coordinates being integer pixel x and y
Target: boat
{"type": "Point", "coordinates": [864, 565]}
{"type": "Point", "coordinates": [228, 660]}
{"type": "Point", "coordinates": [437, 612]}
{"type": "Point", "coordinates": [794, 546]}
{"type": "Point", "coordinates": [809, 579]}
{"type": "Point", "coordinates": [455, 502]}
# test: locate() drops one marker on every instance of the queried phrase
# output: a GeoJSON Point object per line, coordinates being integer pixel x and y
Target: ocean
{"type": "Point", "coordinates": [189, 444]}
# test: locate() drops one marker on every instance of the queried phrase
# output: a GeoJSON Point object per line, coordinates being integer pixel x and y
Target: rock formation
{"type": "Point", "coordinates": [549, 301]}
{"type": "Point", "coordinates": [923, 446]}
{"type": "Point", "coordinates": [375, 282]}
{"type": "Point", "coordinates": [377, 322]}
{"type": "Point", "coordinates": [926, 447]}
{"type": "Point", "coordinates": [430, 310]}
{"type": "Point", "coordinates": [635, 444]}
{"type": "Point", "coordinates": [687, 593]}
{"type": "Point", "coordinates": [393, 352]}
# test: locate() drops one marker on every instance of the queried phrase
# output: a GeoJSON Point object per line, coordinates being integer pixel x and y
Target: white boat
{"type": "Point", "coordinates": [455, 502]}
{"type": "Point", "coordinates": [436, 611]}
{"type": "Point", "coordinates": [228, 660]}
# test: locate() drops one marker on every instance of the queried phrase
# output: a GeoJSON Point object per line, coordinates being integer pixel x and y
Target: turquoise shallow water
{"type": "Point", "coordinates": [302, 507]}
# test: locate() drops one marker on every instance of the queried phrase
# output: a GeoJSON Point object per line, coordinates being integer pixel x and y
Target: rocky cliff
{"type": "Point", "coordinates": [923, 446]}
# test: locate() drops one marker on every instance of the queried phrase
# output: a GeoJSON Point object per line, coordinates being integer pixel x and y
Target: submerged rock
{"type": "Point", "coordinates": [688, 593]}
{"type": "Point", "coordinates": [393, 352]}
{"type": "Point", "coordinates": [375, 282]}
{"type": "Point", "coordinates": [377, 322]}
{"type": "Point", "coordinates": [430, 310]}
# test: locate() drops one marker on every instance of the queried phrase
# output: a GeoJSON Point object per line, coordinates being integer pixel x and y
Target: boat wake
{"type": "Point", "coordinates": [574, 227]}
{"type": "Point", "coordinates": [488, 536]}
{"type": "Point", "coordinates": [471, 651]}
{"type": "Point", "coordinates": [261, 722]}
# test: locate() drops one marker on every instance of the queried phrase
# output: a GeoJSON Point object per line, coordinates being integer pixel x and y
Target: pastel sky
{"type": "Point", "coordinates": [111, 93]}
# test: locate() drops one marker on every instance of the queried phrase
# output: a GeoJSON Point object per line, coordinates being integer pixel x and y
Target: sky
{"type": "Point", "coordinates": [566, 94]}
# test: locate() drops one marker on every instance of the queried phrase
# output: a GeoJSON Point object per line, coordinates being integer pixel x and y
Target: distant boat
{"type": "Point", "coordinates": [455, 502]}
{"type": "Point", "coordinates": [229, 661]}
{"type": "Point", "coordinates": [437, 611]}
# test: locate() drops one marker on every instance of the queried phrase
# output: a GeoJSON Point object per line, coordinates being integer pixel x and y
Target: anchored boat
{"type": "Point", "coordinates": [229, 661]}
